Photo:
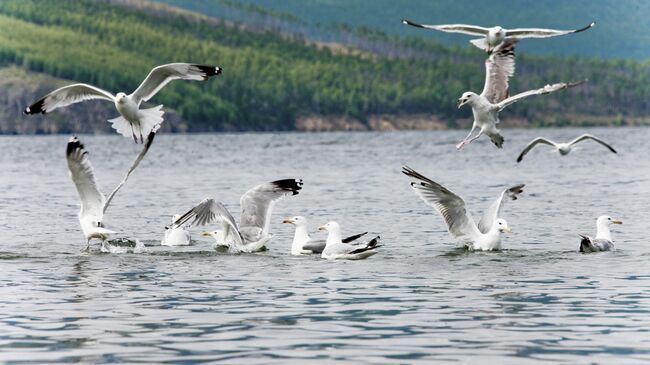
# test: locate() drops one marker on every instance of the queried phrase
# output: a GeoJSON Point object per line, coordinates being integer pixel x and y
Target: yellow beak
{"type": "Point", "coordinates": [206, 234]}
{"type": "Point", "coordinates": [507, 230]}
{"type": "Point", "coordinates": [617, 221]}
{"type": "Point", "coordinates": [322, 228]}
{"type": "Point", "coordinates": [287, 221]}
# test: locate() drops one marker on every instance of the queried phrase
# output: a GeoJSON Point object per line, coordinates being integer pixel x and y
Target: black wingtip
{"type": "Point", "coordinates": [292, 185]}
{"type": "Point", "coordinates": [408, 22]}
{"type": "Point", "coordinates": [209, 70]}
{"type": "Point", "coordinates": [73, 145]}
{"type": "Point", "coordinates": [35, 108]}
{"type": "Point", "coordinates": [588, 26]}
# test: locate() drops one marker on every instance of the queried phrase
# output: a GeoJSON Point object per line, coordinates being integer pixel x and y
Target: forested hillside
{"type": "Point", "coordinates": [622, 29]}
{"type": "Point", "coordinates": [274, 81]}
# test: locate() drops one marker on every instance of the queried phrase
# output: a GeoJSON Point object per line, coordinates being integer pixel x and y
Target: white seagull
{"type": "Point", "coordinates": [93, 202]}
{"type": "Point", "coordinates": [494, 98]}
{"type": "Point", "coordinates": [257, 204]}
{"type": "Point", "coordinates": [494, 36]}
{"type": "Point", "coordinates": [562, 148]}
{"type": "Point", "coordinates": [133, 121]}
{"type": "Point", "coordinates": [303, 244]}
{"type": "Point", "coordinates": [603, 240]}
{"type": "Point", "coordinates": [176, 236]}
{"type": "Point", "coordinates": [486, 236]}
{"type": "Point", "coordinates": [335, 248]}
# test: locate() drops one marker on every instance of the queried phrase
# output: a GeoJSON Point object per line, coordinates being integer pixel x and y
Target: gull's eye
{"type": "Point", "coordinates": [609, 219]}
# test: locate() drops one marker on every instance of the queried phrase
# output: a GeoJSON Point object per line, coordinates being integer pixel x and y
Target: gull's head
{"type": "Point", "coordinates": [503, 226]}
{"type": "Point", "coordinates": [214, 234]}
{"type": "Point", "coordinates": [120, 97]}
{"type": "Point", "coordinates": [296, 221]}
{"type": "Point", "coordinates": [329, 226]}
{"type": "Point", "coordinates": [607, 220]}
{"type": "Point", "coordinates": [466, 98]}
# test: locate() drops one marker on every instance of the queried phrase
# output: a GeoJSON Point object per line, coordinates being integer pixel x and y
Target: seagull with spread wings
{"type": "Point", "coordinates": [486, 236]}
{"type": "Point", "coordinates": [562, 148]}
{"type": "Point", "coordinates": [93, 202]}
{"type": "Point", "coordinates": [133, 121]}
{"type": "Point", "coordinates": [494, 36]}
{"type": "Point", "coordinates": [494, 98]}
{"type": "Point", "coordinates": [252, 234]}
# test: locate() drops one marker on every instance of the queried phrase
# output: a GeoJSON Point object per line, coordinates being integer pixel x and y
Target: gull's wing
{"type": "Point", "coordinates": [589, 136]}
{"type": "Point", "coordinates": [493, 213]}
{"type": "Point", "coordinates": [162, 75]}
{"type": "Point", "coordinates": [451, 28]}
{"type": "Point", "coordinates": [543, 33]}
{"type": "Point", "coordinates": [371, 245]}
{"type": "Point", "coordinates": [541, 91]}
{"type": "Point", "coordinates": [353, 238]}
{"type": "Point", "coordinates": [81, 172]}
{"type": "Point", "coordinates": [315, 246]}
{"type": "Point", "coordinates": [534, 143]}
{"type": "Point", "coordinates": [257, 205]}
{"type": "Point", "coordinates": [211, 211]}
{"type": "Point", "coordinates": [67, 95]}
{"type": "Point", "coordinates": [498, 68]}
{"type": "Point", "coordinates": [451, 206]}
{"type": "Point", "coordinates": [135, 164]}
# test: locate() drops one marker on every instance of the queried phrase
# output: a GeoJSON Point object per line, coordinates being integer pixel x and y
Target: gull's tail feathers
{"type": "Point", "coordinates": [150, 119]}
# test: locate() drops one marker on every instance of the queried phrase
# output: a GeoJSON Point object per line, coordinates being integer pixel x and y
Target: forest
{"type": "Point", "coordinates": [271, 79]}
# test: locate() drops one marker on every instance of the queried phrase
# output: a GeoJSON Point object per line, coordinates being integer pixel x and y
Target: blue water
{"type": "Point", "coordinates": [420, 300]}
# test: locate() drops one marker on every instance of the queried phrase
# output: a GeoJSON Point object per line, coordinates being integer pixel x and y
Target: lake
{"type": "Point", "coordinates": [419, 300]}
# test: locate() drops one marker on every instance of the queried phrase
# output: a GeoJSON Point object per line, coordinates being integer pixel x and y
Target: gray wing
{"type": "Point", "coordinates": [162, 75]}
{"type": "Point", "coordinates": [589, 136]}
{"type": "Point", "coordinates": [67, 95]}
{"type": "Point", "coordinates": [542, 32]}
{"type": "Point", "coordinates": [135, 164]}
{"type": "Point", "coordinates": [451, 206]}
{"type": "Point", "coordinates": [541, 91]}
{"type": "Point", "coordinates": [588, 244]}
{"type": "Point", "coordinates": [498, 68]}
{"type": "Point", "coordinates": [315, 246]}
{"type": "Point", "coordinates": [211, 211]}
{"type": "Point", "coordinates": [451, 28]}
{"type": "Point", "coordinates": [534, 143]}
{"type": "Point", "coordinates": [494, 211]}
{"type": "Point", "coordinates": [257, 205]}
{"type": "Point", "coordinates": [81, 172]}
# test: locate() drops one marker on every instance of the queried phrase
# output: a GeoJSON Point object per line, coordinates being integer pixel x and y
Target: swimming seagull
{"type": "Point", "coordinates": [335, 248]}
{"type": "Point", "coordinates": [176, 236]}
{"type": "Point", "coordinates": [133, 121]}
{"type": "Point", "coordinates": [603, 240]}
{"type": "Point", "coordinates": [303, 244]}
{"type": "Point", "coordinates": [494, 98]}
{"type": "Point", "coordinates": [93, 202]}
{"type": "Point", "coordinates": [256, 208]}
{"type": "Point", "coordinates": [494, 36]}
{"type": "Point", "coordinates": [562, 148]}
{"type": "Point", "coordinates": [486, 236]}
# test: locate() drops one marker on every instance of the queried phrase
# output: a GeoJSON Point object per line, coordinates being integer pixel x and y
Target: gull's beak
{"type": "Point", "coordinates": [617, 221]}
{"type": "Point", "coordinates": [322, 228]}
{"type": "Point", "coordinates": [461, 102]}
{"type": "Point", "coordinates": [507, 230]}
{"type": "Point", "coordinates": [206, 234]}
{"type": "Point", "coordinates": [287, 221]}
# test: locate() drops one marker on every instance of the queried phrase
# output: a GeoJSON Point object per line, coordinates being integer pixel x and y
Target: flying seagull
{"type": "Point", "coordinates": [494, 36]}
{"type": "Point", "coordinates": [256, 207]}
{"type": "Point", "coordinates": [494, 98]}
{"type": "Point", "coordinates": [335, 248]}
{"type": "Point", "coordinates": [486, 236]}
{"type": "Point", "coordinates": [133, 121]}
{"type": "Point", "coordinates": [93, 202]}
{"type": "Point", "coordinates": [303, 244]}
{"type": "Point", "coordinates": [603, 240]}
{"type": "Point", "coordinates": [562, 148]}
{"type": "Point", "coordinates": [176, 236]}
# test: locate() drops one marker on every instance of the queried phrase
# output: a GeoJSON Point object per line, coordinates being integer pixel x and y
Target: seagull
{"type": "Point", "coordinates": [486, 236]}
{"type": "Point", "coordinates": [219, 238]}
{"type": "Point", "coordinates": [603, 240]}
{"type": "Point", "coordinates": [93, 202]}
{"type": "Point", "coordinates": [257, 204]}
{"type": "Point", "coordinates": [303, 244]}
{"type": "Point", "coordinates": [133, 121]}
{"type": "Point", "coordinates": [335, 248]}
{"type": "Point", "coordinates": [494, 36]}
{"type": "Point", "coordinates": [176, 236]}
{"type": "Point", "coordinates": [494, 98]}
{"type": "Point", "coordinates": [562, 148]}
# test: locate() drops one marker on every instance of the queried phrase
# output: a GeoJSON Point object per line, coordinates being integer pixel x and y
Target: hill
{"type": "Point", "coordinates": [277, 81]}
{"type": "Point", "coordinates": [622, 29]}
